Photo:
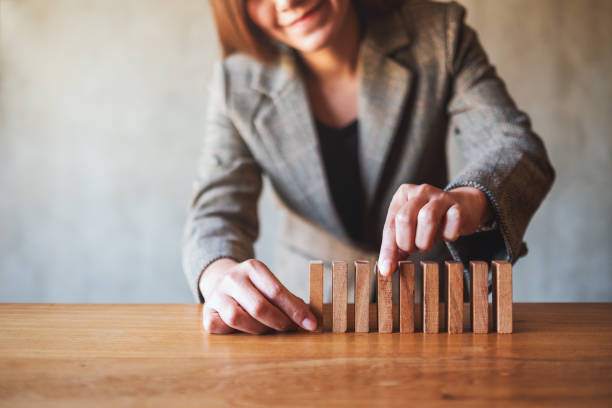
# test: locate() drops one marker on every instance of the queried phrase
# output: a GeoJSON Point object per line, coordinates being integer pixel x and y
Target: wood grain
{"type": "Point", "coordinates": [406, 296]}
{"type": "Point", "coordinates": [454, 297]}
{"type": "Point", "coordinates": [362, 296]}
{"type": "Point", "coordinates": [431, 295]}
{"type": "Point", "coordinates": [107, 355]}
{"type": "Point", "coordinates": [502, 296]}
{"type": "Point", "coordinates": [479, 277]}
{"type": "Point", "coordinates": [328, 312]}
{"type": "Point", "coordinates": [384, 300]}
{"type": "Point", "coordinates": [316, 292]}
{"type": "Point", "coordinates": [339, 296]}
{"type": "Point", "coordinates": [373, 308]}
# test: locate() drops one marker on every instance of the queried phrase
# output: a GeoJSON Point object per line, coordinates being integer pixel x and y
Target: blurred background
{"type": "Point", "coordinates": [101, 121]}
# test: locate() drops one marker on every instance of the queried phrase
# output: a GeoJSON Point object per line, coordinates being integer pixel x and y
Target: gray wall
{"type": "Point", "coordinates": [101, 121]}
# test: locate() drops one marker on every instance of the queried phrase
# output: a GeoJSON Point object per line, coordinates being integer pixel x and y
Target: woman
{"type": "Point", "coordinates": [345, 106]}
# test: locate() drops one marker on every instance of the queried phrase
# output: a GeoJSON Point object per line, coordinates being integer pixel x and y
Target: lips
{"type": "Point", "coordinates": [304, 15]}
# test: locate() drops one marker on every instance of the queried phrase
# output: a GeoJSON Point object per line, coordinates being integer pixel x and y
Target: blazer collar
{"type": "Point", "coordinates": [287, 126]}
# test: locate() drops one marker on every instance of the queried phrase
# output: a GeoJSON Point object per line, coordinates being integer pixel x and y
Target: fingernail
{"type": "Point", "coordinates": [385, 268]}
{"type": "Point", "coordinates": [309, 324]}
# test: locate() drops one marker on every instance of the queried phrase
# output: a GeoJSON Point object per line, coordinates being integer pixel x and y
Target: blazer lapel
{"type": "Point", "coordinates": [383, 90]}
{"type": "Point", "coordinates": [286, 126]}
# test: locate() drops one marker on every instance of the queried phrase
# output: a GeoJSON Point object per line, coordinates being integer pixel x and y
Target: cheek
{"type": "Point", "coordinates": [262, 13]}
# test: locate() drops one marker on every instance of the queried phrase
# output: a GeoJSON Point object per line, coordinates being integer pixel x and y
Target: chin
{"type": "Point", "coordinates": [313, 41]}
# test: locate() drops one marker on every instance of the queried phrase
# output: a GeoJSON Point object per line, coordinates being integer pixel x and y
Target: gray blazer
{"type": "Point", "coordinates": [424, 75]}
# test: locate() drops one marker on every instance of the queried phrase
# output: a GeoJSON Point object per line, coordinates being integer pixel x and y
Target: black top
{"type": "Point", "coordinates": [340, 150]}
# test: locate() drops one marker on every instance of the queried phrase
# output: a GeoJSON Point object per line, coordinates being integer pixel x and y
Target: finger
{"type": "Point", "coordinates": [235, 316]}
{"type": "Point", "coordinates": [406, 223]}
{"type": "Point", "coordinates": [452, 223]}
{"type": "Point", "coordinates": [428, 222]}
{"type": "Point", "coordinates": [280, 296]}
{"type": "Point", "coordinates": [255, 304]}
{"type": "Point", "coordinates": [388, 248]}
{"type": "Point", "coordinates": [213, 323]}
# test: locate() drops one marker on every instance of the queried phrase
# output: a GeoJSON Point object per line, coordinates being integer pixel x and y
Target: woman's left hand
{"type": "Point", "coordinates": [419, 216]}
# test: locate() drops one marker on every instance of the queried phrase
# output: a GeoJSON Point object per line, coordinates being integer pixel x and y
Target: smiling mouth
{"type": "Point", "coordinates": [305, 15]}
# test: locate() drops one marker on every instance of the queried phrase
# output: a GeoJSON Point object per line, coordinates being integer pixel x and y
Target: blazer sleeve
{"type": "Point", "coordinates": [507, 161]}
{"type": "Point", "coordinates": [222, 220]}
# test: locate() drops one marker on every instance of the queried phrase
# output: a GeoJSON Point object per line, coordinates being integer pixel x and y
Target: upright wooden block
{"type": "Point", "coordinates": [479, 306]}
{"type": "Point", "coordinates": [339, 296]}
{"type": "Point", "coordinates": [454, 297]}
{"type": "Point", "coordinates": [384, 300]}
{"type": "Point", "coordinates": [406, 291]}
{"type": "Point", "coordinates": [502, 296]}
{"type": "Point", "coordinates": [431, 297]}
{"type": "Point", "coordinates": [362, 296]}
{"type": "Point", "coordinates": [316, 292]}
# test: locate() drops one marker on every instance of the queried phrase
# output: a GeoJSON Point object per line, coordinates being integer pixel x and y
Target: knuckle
{"type": "Point", "coordinates": [434, 203]}
{"type": "Point", "coordinates": [436, 206]}
{"type": "Point", "coordinates": [445, 196]}
{"type": "Point", "coordinates": [298, 315]}
{"type": "Point", "coordinates": [402, 217]}
{"type": "Point", "coordinates": [401, 191]}
{"type": "Point", "coordinates": [423, 189]}
{"type": "Point", "coordinates": [232, 317]}
{"type": "Point", "coordinates": [275, 290]}
{"type": "Point", "coordinates": [251, 264]}
{"type": "Point", "coordinates": [231, 281]}
{"type": "Point", "coordinates": [259, 309]}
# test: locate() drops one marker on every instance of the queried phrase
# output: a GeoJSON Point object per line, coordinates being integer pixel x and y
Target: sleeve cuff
{"type": "Point", "coordinates": [490, 242]}
{"type": "Point", "coordinates": [498, 222]}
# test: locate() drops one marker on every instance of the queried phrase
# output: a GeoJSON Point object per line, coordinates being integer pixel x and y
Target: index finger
{"type": "Point", "coordinates": [279, 295]}
{"type": "Point", "coordinates": [388, 248]}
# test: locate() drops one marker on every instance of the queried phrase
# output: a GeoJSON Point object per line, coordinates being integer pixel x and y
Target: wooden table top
{"type": "Point", "coordinates": [158, 355]}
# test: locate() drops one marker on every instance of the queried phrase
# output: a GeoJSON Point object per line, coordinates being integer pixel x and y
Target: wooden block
{"type": "Point", "coordinates": [431, 295]}
{"type": "Point", "coordinates": [406, 290]}
{"type": "Point", "coordinates": [384, 300]}
{"type": "Point", "coordinates": [339, 296]}
{"type": "Point", "coordinates": [479, 305]}
{"type": "Point", "coordinates": [362, 296]}
{"type": "Point", "coordinates": [316, 292]}
{"type": "Point", "coordinates": [454, 297]}
{"type": "Point", "coordinates": [327, 317]}
{"type": "Point", "coordinates": [502, 296]}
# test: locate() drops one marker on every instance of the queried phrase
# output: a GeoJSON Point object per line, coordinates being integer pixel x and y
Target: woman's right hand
{"type": "Point", "coordinates": [247, 297]}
